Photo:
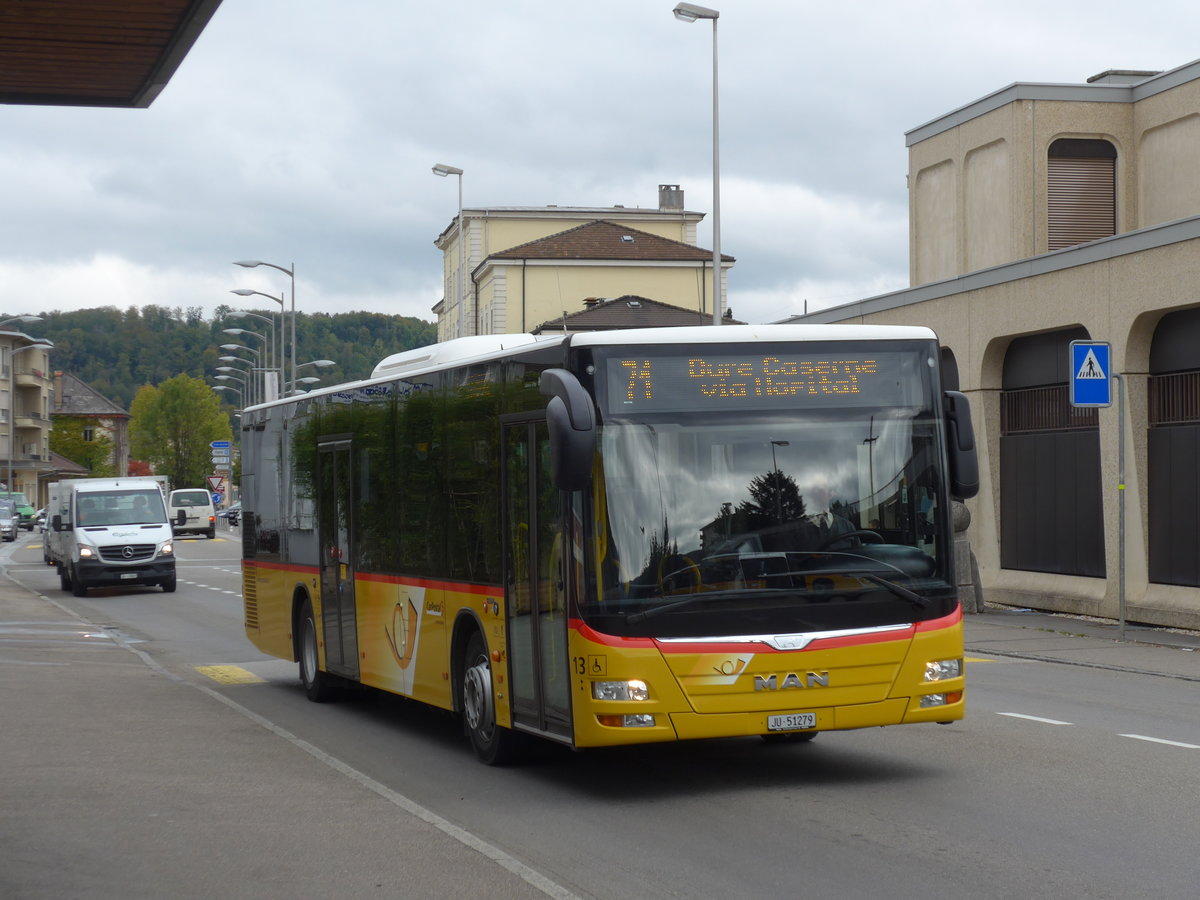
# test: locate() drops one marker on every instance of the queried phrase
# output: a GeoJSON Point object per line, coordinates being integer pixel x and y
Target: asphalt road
{"type": "Point", "coordinates": [1071, 781]}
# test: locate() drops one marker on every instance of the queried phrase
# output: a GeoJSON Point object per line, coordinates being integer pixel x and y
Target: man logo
{"type": "Point", "coordinates": [791, 680]}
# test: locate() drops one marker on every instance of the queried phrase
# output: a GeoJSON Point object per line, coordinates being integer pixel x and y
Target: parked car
{"type": "Point", "coordinates": [232, 512]}
{"type": "Point", "coordinates": [39, 520]}
{"type": "Point", "coordinates": [8, 520]}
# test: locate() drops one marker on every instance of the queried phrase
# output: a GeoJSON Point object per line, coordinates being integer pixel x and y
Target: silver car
{"type": "Point", "coordinates": [8, 521]}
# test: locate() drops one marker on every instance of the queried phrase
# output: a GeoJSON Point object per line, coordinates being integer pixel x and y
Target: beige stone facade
{"type": "Point", "coordinates": [984, 280]}
{"type": "Point", "coordinates": [501, 288]}
{"type": "Point", "coordinates": [25, 391]}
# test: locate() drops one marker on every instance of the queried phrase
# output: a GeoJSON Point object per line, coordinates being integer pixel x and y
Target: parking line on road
{"type": "Point", "coordinates": [1035, 719]}
{"type": "Point", "coordinates": [230, 675]}
{"type": "Point", "coordinates": [1154, 740]}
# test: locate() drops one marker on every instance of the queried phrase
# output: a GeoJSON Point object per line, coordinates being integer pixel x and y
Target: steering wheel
{"type": "Point", "coordinates": [871, 537]}
{"type": "Point", "coordinates": [682, 567]}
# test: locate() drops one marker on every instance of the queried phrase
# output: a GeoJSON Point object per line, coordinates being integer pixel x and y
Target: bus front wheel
{"type": "Point", "coordinates": [319, 686]}
{"type": "Point", "coordinates": [492, 743]}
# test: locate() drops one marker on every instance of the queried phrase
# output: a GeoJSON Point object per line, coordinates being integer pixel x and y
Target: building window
{"type": "Point", "coordinates": [1082, 192]}
{"type": "Point", "coordinates": [89, 433]}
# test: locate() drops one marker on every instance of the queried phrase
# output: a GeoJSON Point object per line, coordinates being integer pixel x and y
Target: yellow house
{"type": "Point", "coordinates": [521, 266]}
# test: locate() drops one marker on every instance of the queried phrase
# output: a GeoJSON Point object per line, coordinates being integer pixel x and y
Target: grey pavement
{"type": "Point", "coordinates": [118, 779]}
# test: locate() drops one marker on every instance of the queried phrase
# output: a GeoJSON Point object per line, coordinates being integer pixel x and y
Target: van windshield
{"type": "Point", "coordinates": [136, 507]}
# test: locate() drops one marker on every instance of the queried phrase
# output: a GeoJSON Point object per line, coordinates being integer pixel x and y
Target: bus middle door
{"type": "Point", "coordinates": [335, 502]}
{"type": "Point", "coordinates": [535, 582]}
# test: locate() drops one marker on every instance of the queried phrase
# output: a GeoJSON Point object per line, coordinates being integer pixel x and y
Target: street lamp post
{"type": "Point", "coordinates": [226, 387]}
{"type": "Point", "coordinates": [291, 273]}
{"type": "Point", "coordinates": [690, 12]}
{"type": "Point", "coordinates": [258, 357]}
{"type": "Point", "coordinates": [319, 363]}
{"type": "Point", "coordinates": [272, 355]}
{"type": "Point", "coordinates": [443, 171]}
{"type": "Point", "coordinates": [247, 292]}
{"type": "Point", "coordinates": [12, 423]}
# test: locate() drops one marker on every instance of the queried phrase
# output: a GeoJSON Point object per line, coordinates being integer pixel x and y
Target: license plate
{"type": "Point", "coordinates": [792, 722]}
{"type": "Point", "coordinates": [129, 574]}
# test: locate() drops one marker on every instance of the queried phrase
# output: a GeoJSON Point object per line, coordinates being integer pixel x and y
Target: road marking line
{"type": "Point", "coordinates": [1154, 740]}
{"type": "Point", "coordinates": [1035, 719]}
{"type": "Point", "coordinates": [230, 675]}
{"type": "Point", "coordinates": [976, 659]}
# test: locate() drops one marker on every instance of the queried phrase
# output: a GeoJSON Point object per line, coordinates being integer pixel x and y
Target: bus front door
{"type": "Point", "coordinates": [535, 583]}
{"type": "Point", "coordinates": [336, 505]}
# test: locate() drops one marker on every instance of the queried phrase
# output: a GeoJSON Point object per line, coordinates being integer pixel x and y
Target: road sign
{"type": "Point", "coordinates": [217, 497]}
{"type": "Point", "coordinates": [216, 483]}
{"type": "Point", "coordinates": [1091, 384]}
{"type": "Point", "coordinates": [221, 445]}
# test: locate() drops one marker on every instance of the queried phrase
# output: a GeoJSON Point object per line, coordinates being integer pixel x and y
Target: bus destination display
{"type": "Point", "coordinates": [637, 383]}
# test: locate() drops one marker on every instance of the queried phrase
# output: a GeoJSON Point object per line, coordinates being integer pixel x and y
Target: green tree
{"type": "Point", "coordinates": [69, 438]}
{"type": "Point", "coordinates": [172, 427]}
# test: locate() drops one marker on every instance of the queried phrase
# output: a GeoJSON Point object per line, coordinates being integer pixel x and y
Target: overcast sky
{"type": "Point", "coordinates": [303, 131]}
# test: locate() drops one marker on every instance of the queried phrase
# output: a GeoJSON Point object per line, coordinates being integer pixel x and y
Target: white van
{"type": "Point", "coordinates": [109, 531]}
{"type": "Point", "coordinates": [199, 516]}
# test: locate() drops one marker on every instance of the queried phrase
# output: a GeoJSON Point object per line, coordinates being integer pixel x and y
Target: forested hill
{"type": "Point", "coordinates": [117, 352]}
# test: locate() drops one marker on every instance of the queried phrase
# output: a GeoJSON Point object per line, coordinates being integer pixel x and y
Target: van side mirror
{"type": "Point", "coordinates": [960, 446]}
{"type": "Point", "coordinates": [571, 421]}
{"type": "Point", "coordinates": [56, 523]}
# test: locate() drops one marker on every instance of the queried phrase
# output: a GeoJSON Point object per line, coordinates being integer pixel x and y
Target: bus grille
{"type": "Point", "coordinates": [127, 553]}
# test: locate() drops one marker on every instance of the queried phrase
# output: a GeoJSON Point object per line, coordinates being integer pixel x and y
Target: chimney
{"type": "Point", "coordinates": [670, 196]}
{"type": "Point", "coordinates": [58, 391]}
{"type": "Point", "coordinates": [592, 302]}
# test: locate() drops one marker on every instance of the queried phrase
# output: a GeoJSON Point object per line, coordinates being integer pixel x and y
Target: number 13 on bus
{"type": "Point", "coordinates": [619, 538]}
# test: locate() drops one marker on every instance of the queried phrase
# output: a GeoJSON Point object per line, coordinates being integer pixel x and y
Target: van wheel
{"type": "Point", "coordinates": [78, 588]}
{"type": "Point", "coordinates": [64, 578]}
{"type": "Point", "coordinates": [319, 687]}
{"type": "Point", "coordinates": [493, 744]}
{"type": "Point", "coordinates": [212, 532]}
{"type": "Point", "coordinates": [168, 585]}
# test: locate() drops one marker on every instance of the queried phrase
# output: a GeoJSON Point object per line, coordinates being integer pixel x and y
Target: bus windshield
{"type": "Point", "coordinates": [820, 507]}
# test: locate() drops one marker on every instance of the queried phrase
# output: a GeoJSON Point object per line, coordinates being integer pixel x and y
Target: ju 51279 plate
{"type": "Point", "coordinates": [792, 721]}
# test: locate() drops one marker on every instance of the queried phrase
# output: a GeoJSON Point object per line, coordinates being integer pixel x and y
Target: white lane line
{"type": "Point", "coordinates": [1035, 719]}
{"type": "Point", "coordinates": [1154, 740]}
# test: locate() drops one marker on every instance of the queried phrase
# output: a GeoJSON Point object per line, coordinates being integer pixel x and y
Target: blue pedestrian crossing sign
{"type": "Point", "coordinates": [1091, 382]}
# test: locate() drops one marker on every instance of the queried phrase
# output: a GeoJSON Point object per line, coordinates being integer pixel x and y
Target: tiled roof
{"type": "Point", "coordinates": [627, 312]}
{"type": "Point", "coordinates": [76, 398]}
{"type": "Point", "coordinates": [606, 240]}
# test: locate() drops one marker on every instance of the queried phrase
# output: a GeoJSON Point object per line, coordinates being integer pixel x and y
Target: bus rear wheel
{"type": "Point", "coordinates": [493, 744]}
{"type": "Point", "coordinates": [319, 686]}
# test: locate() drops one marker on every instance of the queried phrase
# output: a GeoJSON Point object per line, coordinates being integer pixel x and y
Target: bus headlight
{"type": "Point", "coordinates": [940, 670]}
{"type": "Point", "coordinates": [620, 690]}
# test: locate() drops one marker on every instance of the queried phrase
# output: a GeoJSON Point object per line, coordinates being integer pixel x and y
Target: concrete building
{"type": "Point", "coordinates": [521, 266]}
{"type": "Point", "coordinates": [1039, 215]}
{"type": "Point", "coordinates": [25, 387]}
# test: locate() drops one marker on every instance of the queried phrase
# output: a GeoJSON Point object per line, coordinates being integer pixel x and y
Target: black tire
{"type": "Point", "coordinates": [64, 578]}
{"type": "Point", "coordinates": [319, 687]}
{"type": "Point", "coordinates": [78, 588]}
{"type": "Point", "coordinates": [493, 744]}
{"type": "Point", "coordinates": [789, 737]}
{"type": "Point", "coordinates": [168, 586]}
{"type": "Point", "coordinates": [212, 532]}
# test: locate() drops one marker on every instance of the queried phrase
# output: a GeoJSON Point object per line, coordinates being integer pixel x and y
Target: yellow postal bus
{"type": "Point", "coordinates": [617, 538]}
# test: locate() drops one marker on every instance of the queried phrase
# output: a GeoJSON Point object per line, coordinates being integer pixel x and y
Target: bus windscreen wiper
{"type": "Point", "coordinates": [898, 589]}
